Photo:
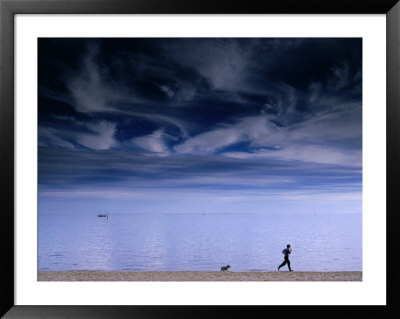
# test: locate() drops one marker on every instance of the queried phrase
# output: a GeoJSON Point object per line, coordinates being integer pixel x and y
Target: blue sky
{"type": "Point", "coordinates": [200, 125]}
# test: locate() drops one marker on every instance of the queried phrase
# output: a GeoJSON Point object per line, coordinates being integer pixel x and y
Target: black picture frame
{"type": "Point", "coordinates": [8, 10]}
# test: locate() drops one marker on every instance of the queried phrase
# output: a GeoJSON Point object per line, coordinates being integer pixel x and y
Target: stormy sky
{"type": "Point", "coordinates": [193, 125]}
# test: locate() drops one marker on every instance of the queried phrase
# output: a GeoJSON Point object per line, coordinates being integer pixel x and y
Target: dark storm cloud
{"type": "Point", "coordinates": [171, 113]}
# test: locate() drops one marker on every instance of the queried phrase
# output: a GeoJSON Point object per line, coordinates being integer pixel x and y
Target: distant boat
{"type": "Point", "coordinates": [102, 215]}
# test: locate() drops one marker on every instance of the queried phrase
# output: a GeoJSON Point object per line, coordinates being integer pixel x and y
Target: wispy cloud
{"type": "Point", "coordinates": [132, 169]}
{"type": "Point", "coordinates": [154, 142]}
{"type": "Point", "coordinates": [249, 121]}
{"type": "Point", "coordinates": [101, 136]}
{"type": "Point", "coordinates": [318, 140]}
{"type": "Point", "coordinates": [96, 135]}
{"type": "Point", "coordinates": [50, 137]}
{"type": "Point", "coordinates": [251, 129]}
{"type": "Point", "coordinates": [223, 62]}
{"type": "Point", "coordinates": [94, 90]}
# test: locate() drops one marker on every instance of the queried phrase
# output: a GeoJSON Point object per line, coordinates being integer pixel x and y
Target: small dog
{"type": "Point", "coordinates": [225, 268]}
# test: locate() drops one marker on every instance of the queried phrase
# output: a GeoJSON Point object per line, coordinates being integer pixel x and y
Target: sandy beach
{"type": "Point", "coordinates": [197, 276]}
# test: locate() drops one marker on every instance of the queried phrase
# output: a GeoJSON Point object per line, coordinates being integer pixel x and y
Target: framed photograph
{"type": "Point", "coordinates": [164, 158]}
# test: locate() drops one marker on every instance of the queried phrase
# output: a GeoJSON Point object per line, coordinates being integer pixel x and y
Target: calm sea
{"type": "Point", "coordinates": [157, 242]}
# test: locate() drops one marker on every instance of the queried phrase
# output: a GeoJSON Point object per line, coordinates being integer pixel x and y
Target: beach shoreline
{"type": "Point", "coordinates": [78, 275]}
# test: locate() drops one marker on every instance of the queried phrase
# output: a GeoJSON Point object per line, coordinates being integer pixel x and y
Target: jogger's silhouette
{"type": "Point", "coordinates": [286, 252]}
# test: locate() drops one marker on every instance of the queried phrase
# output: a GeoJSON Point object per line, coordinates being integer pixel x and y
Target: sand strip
{"type": "Point", "coordinates": [197, 276]}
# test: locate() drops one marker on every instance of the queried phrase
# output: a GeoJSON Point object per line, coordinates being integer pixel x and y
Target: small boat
{"type": "Point", "coordinates": [102, 215]}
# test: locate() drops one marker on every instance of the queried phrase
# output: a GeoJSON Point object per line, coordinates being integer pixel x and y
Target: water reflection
{"type": "Point", "coordinates": [198, 242]}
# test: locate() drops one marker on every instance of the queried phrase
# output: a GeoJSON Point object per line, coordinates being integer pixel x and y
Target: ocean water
{"type": "Point", "coordinates": [199, 242]}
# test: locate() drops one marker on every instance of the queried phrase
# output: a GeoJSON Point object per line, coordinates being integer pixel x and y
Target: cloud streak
{"type": "Point", "coordinates": [251, 119]}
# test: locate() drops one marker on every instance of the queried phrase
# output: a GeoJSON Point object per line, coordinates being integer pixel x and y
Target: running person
{"type": "Point", "coordinates": [286, 252]}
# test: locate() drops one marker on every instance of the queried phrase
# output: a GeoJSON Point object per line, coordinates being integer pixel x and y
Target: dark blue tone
{"type": "Point", "coordinates": [115, 111]}
{"type": "Point", "coordinates": [145, 127]}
